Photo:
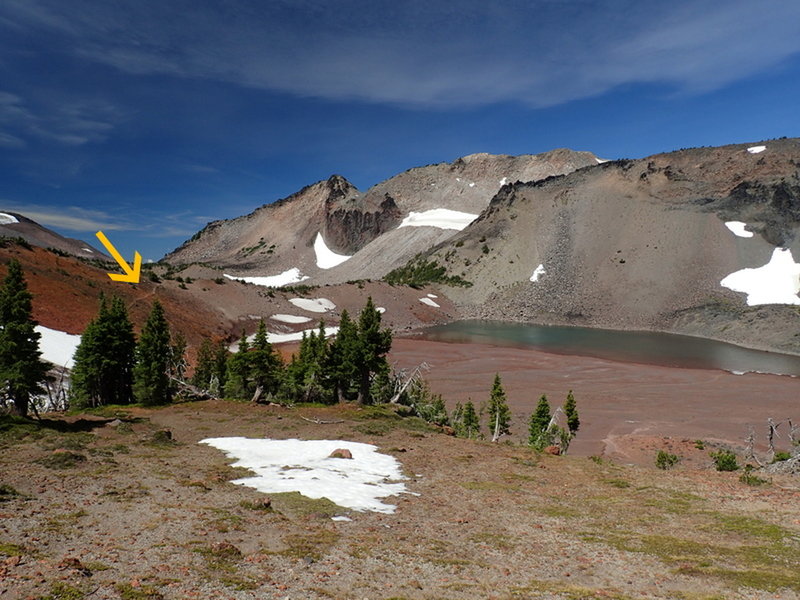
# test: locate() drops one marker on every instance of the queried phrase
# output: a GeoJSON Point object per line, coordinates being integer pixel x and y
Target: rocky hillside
{"type": "Point", "coordinates": [15, 225]}
{"type": "Point", "coordinates": [645, 244]}
{"type": "Point", "coordinates": [312, 233]}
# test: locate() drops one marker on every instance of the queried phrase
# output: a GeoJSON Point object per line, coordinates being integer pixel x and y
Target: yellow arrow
{"type": "Point", "coordinates": [131, 274]}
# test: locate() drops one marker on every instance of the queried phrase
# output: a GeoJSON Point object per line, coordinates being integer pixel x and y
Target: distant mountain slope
{"type": "Point", "coordinates": [312, 233]}
{"type": "Point", "coordinates": [644, 244]}
{"type": "Point", "coordinates": [13, 224]}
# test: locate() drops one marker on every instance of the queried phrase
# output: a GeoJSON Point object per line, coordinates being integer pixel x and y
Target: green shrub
{"type": "Point", "coordinates": [725, 460]}
{"type": "Point", "coordinates": [700, 444]}
{"type": "Point", "coordinates": [781, 456]}
{"type": "Point", "coordinates": [748, 478]}
{"type": "Point", "coordinates": [665, 460]}
{"type": "Point", "coordinates": [418, 272]}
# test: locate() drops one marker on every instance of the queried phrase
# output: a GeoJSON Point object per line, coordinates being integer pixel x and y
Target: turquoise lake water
{"type": "Point", "coordinates": [630, 346]}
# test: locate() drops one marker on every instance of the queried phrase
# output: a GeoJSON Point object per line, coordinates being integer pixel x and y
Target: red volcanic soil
{"type": "Point", "coordinates": [66, 291]}
{"type": "Point", "coordinates": [627, 411]}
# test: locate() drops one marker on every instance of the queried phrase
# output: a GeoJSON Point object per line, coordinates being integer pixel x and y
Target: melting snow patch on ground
{"type": "Point", "coordinates": [280, 338]}
{"type": "Point", "coordinates": [777, 282]}
{"type": "Point", "coordinates": [443, 218]}
{"type": "Point", "coordinates": [6, 219]}
{"type": "Point", "coordinates": [317, 305]}
{"type": "Point", "coordinates": [57, 347]}
{"type": "Point", "coordinates": [290, 318]}
{"type": "Point", "coordinates": [291, 276]}
{"type": "Point", "coordinates": [429, 302]}
{"type": "Point", "coordinates": [600, 161]}
{"type": "Point", "coordinates": [87, 249]}
{"type": "Point", "coordinates": [327, 258]}
{"type": "Point", "coordinates": [305, 466]}
{"type": "Point", "coordinates": [432, 296]}
{"type": "Point", "coordinates": [537, 272]}
{"type": "Point", "coordinates": [381, 309]}
{"type": "Point", "coordinates": [756, 149]}
{"type": "Point", "coordinates": [738, 228]}
{"type": "Point", "coordinates": [504, 181]}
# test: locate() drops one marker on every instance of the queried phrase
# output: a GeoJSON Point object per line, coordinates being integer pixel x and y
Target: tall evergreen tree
{"type": "Point", "coordinates": [220, 376]}
{"type": "Point", "coordinates": [539, 424]}
{"type": "Point", "coordinates": [499, 413]}
{"type": "Point", "coordinates": [237, 382]}
{"type": "Point", "coordinates": [571, 412]}
{"type": "Point", "coordinates": [204, 369]}
{"type": "Point", "coordinates": [341, 360]}
{"type": "Point", "coordinates": [102, 371]}
{"type": "Point", "coordinates": [22, 371]}
{"type": "Point", "coordinates": [470, 424]}
{"type": "Point", "coordinates": [265, 363]}
{"type": "Point", "coordinates": [373, 345]}
{"type": "Point", "coordinates": [151, 384]}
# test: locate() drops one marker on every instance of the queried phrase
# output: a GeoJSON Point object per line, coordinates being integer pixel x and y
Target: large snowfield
{"type": "Point", "coordinates": [286, 278]}
{"type": "Point", "coordinates": [6, 219]}
{"type": "Point", "coordinates": [57, 347]}
{"type": "Point", "coordinates": [305, 466]}
{"type": "Point", "coordinates": [327, 258]}
{"type": "Point", "coordinates": [443, 218]}
{"type": "Point", "coordinates": [777, 282]}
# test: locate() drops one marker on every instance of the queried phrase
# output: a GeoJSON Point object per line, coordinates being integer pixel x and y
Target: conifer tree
{"type": "Point", "coordinates": [204, 370]}
{"type": "Point", "coordinates": [571, 412]}
{"type": "Point", "coordinates": [470, 424]}
{"type": "Point", "coordinates": [238, 370]}
{"type": "Point", "coordinates": [22, 371]}
{"type": "Point", "coordinates": [539, 424]}
{"type": "Point", "coordinates": [265, 363]}
{"type": "Point", "coordinates": [102, 371]}
{"type": "Point", "coordinates": [151, 384]}
{"type": "Point", "coordinates": [220, 375]}
{"type": "Point", "coordinates": [340, 362]}
{"type": "Point", "coordinates": [499, 414]}
{"type": "Point", "coordinates": [373, 345]}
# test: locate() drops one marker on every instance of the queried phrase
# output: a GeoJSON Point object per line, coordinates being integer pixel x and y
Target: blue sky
{"type": "Point", "coordinates": [148, 118]}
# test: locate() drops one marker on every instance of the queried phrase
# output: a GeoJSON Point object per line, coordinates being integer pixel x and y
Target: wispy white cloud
{"type": "Point", "coordinates": [66, 121]}
{"type": "Point", "coordinates": [540, 52]}
{"type": "Point", "coordinates": [72, 218]}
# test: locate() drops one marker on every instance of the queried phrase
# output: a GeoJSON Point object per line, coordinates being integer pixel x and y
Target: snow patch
{"type": "Point", "coordinates": [327, 258]}
{"type": "Point", "coordinates": [600, 161]}
{"type": "Point", "coordinates": [290, 318]}
{"type": "Point", "coordinates": [293, 275]}
{"type": "Point", "coordinates": [756, 149]}
{"type": "Point", "coordinates": [305, 466]}
{"type": "Point", "coordinates": [429, 302]}
{"type": "Point", "coordinates": [6, 219]}
{"type": "Point", "coordinates": [443, 218]}
{"type": "Point", "coordinates": [537, 272]}
{"type": "Point", "coordinates": [432, 296]}
{"type": "Point", "coordinates": [777, 282]}
{"type": "Point", "coordinates": [471, 185]}
{"type": "Point", "coordinates": [90, 250]}
{"type": "Point", "coordinates": [57, 347]}
{"type": "Point", "coordinates": [380, 309]}
{"type": "Point", "coordinates": [504, 181]}
{"type": "Point", "coordinates": [341, 518]}
{"type": "Point", "coordinates": [280, 338]}
{"type": "Point", "coordinates": [738, 228]}
{"type": "Point", "coordinates": [317, 305]}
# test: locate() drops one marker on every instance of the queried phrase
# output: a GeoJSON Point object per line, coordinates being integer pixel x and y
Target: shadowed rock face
{"type": "Point", "coordinates": [350, 225]}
